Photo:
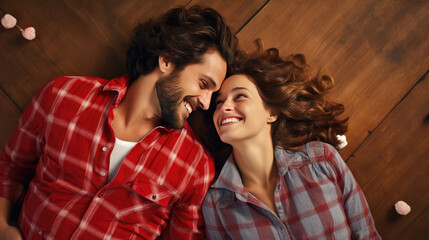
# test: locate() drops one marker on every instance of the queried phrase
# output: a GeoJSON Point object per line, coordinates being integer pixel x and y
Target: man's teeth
{"type": "Point", "coordinates": [230, 120]}
{"type": "Point", "coordinates": [188, 107]}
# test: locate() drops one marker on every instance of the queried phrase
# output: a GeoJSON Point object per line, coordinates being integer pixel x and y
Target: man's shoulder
{"type": "Point", "coordinates": [194, 163]}
{"type": "Point", "coordinates": [80, 86]}
{"type": "Point", "coordinates": [193, 143]}
{"type": "Point", "coordinates": [186, 138]}
{"type": "Point", "coordinates": [64, 81]}
{"type": "Point", "coordinates": [193, 136]}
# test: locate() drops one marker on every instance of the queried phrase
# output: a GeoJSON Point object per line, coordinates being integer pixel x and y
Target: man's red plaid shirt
{"type": "Point", "coordinates": [64, 139]}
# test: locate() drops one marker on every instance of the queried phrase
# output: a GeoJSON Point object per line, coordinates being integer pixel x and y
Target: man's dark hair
{"type": "Point", "coordinates": [182, 36]}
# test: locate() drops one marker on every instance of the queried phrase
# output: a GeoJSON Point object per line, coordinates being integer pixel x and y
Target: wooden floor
{"type": "Point", "coordinates": [377, 52]}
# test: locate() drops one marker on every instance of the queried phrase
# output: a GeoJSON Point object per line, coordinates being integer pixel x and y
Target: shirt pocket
{"type": "Point", "coordinates": [154, 192]}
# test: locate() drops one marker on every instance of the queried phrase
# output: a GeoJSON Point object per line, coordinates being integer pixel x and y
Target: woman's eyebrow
{"type": "Point", "coordinates": [234, 90]}
{"type": "Point", "coordinates": [239, 88]}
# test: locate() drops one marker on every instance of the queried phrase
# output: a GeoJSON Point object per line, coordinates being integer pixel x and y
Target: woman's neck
{"type": "Point", "coordinates": [256, 164]}
{"type": "Point", "coordinates": [258, 170]}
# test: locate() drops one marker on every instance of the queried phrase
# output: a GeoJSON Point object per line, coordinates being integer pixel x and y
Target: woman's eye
{"type": "Point", "coordinates": [240, 96]}
{"type": "Point", "coordinates": [218, 103]}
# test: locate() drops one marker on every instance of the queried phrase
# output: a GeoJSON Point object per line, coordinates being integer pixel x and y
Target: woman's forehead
{"type": "Point", "coordinates": [236, 81]}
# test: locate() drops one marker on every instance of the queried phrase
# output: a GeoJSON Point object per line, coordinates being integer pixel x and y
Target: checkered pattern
{"type": "Point", "coordinates": [64, 140]}
{"type": "Point", "coordinates": [316, 198]}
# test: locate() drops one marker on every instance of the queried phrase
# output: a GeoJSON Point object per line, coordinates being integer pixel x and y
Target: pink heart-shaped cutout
{"type": "Point", "coordinates": [29, 33]}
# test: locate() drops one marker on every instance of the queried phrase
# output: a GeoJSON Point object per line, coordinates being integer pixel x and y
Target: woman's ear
{"type": "Point", "coordinates": [164, 65]}
{"type": "Point", "coordinates": [272, 118]}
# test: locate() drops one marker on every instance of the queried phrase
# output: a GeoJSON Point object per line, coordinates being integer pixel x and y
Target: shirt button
{"type": "Point", "coordinates": [279, 187]}
{"type": "Point", "coordinates": [100, 195]}
{"type": "Point", "coordinates": [103, 173]}
{"type": "Point", "coordinates": [104, 149]}
{"type": "Point", "coordinates": [154, 197]}
{"type": "Point", "coordinates": [39, 232]}
{"type": "Point", "coordinates": [119, 100]}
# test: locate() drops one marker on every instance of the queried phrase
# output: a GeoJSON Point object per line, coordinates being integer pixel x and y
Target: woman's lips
{"type": "Point", "coordinates": [230, 120]}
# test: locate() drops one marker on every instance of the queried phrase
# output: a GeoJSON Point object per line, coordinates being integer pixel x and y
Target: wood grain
{"type": "Point", "coordinates": [236, 13]}
{"type": "Point", "coordinates": [392, 165]}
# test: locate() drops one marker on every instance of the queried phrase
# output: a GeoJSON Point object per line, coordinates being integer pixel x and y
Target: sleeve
{"type": "Point", "coordinates": [186, 216]}
{"type": "Point", "coordinates": [213, 226]}
{"type": "Point", "coordinates": [19, 158]}
{"type": "Point", "coordinates": [356, 207]}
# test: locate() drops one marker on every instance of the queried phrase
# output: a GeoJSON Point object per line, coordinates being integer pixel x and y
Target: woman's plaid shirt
{"type": "Point", "coordinates": [316, 198]}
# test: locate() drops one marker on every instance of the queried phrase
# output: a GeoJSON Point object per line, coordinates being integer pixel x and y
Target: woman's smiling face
{"type": "Point", "coordinates": [240, 113]}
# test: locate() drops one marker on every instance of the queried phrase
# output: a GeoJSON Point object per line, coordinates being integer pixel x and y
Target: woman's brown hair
{"type": "Point", "coordinates": [289, 89]}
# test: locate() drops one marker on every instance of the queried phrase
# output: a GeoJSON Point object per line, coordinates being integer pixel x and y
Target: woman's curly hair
{"type": "Point", "coordinates": [288, 89]}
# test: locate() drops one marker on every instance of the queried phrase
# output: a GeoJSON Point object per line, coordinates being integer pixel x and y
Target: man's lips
{"type": "Point", "coordinates": [188, 106]}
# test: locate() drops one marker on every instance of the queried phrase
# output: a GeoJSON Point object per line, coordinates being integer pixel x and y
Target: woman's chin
{"type": "Point", "coordinates": [227, 139]}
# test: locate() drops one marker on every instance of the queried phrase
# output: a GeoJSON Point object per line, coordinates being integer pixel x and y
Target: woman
{"type": "Point", "coordinates": [284, 178]}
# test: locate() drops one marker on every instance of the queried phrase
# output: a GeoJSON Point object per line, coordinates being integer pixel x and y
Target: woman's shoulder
{"type": "Point", "coordinates": [218, 196]}
{"type": "Point", "coordinates": [318, 150]}
{"type": "Point", "coordinates": [311, 152]}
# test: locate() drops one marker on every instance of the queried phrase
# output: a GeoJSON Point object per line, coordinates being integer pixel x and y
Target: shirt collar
{"type": "Point", "coordinates": [120, 85]}
{"type": "Point", "coordinates": [230, 178]}
{"type": "Point", "coordinates": [282, 159]}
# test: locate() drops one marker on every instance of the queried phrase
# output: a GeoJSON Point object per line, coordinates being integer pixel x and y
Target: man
{"type": "Point", "coordinates": [116, 159]}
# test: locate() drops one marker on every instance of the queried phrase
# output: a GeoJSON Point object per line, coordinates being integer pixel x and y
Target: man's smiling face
{"type": "Point", "coordinates": [181, 93]}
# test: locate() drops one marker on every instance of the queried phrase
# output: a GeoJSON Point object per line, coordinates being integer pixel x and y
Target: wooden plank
{"type": "Point", "coordinates": [375, 50]}
{"type": "Point", "coordinates": [392, 165]}
{"type": "Point", "coordinates": [9, 120]}
{"type": "Point", "coordinates": [24, 66]}
{"type": "Point", "coordinates": [236, 13]}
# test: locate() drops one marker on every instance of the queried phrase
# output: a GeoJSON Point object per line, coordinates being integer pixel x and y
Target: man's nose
{"type": "Point", "coordinates": [204, 99]}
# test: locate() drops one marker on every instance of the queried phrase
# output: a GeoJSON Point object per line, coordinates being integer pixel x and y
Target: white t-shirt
{"type": "Point", "coordinates": [119, 152]}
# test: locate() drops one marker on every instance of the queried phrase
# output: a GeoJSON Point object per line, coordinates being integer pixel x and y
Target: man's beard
{"type": "Point", "coordinates": [170, 99]}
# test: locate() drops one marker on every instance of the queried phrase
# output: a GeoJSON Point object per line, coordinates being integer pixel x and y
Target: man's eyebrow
{"type": "Point", "coordinates": [212, 82]}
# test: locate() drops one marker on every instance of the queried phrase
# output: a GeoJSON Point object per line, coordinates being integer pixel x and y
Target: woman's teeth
{"type": "Point", "coordinates": [229, 120]}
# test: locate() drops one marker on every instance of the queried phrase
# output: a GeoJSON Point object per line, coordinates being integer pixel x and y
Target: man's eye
{"type": "Point", "coordinates": [204, 84]}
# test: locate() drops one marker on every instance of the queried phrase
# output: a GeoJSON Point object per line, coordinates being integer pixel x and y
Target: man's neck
{"type": "Point", "coordinates": [139, 111]}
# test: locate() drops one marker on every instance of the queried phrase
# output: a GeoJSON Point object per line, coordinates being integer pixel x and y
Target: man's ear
{"type": "Point", "coordinates": [164, 65]}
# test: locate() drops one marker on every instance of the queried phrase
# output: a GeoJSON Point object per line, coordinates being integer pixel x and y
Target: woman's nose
{"type": "Point", "coordinates": [227, 106]}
